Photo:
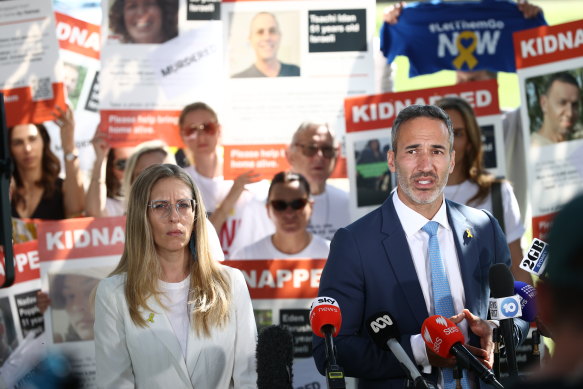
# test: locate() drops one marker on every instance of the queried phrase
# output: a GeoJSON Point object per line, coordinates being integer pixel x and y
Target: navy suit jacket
{"type": "Point", "coordinates": [370, 269]}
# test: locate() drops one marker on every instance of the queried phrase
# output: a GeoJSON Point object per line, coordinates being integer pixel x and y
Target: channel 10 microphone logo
{"type": "Point", "coordinates": [510, 307]}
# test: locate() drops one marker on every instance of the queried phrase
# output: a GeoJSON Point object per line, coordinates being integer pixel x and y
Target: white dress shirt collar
{"type": "Point", "coordinates": [412, 221]}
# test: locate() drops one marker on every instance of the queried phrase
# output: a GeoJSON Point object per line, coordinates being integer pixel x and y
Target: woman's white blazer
{"type": "Point", "coordinates": [129, 356]}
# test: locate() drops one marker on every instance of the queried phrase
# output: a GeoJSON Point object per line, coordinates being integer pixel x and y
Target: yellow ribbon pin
{"type": "Point", "coordinates": [466, 55]}
{"type": "Point", "coordinates": [469, 233]}
{"type": "Point", "coordinates": [151, 318]}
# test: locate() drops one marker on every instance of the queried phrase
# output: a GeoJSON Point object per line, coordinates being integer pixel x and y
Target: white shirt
{"type": "Point", "coordinates": [418, 241]}
{"type": "Point", "coordinates": [463, 192]}
{"type": "Point", "coordinates": [245, 224]}
{"type": "Point", "coordinates": [330, 212]}
{"type": "Point", "coordinates": [264, 249]}
{"type": "Point", "coordinates": [175, 298]}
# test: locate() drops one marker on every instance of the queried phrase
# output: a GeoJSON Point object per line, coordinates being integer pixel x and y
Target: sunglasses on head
{"type": "Point", "coordinates": [296, 205]}
{"type": "Point", "coordinates": [209, 128]}
{"type": "Point", "coordinates": [120, 164]}
{"type": "Point", "coordinates": [311, 150]}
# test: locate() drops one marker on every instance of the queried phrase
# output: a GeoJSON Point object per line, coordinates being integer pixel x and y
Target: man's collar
{"type": "Point", "coordinates": [412, 221]}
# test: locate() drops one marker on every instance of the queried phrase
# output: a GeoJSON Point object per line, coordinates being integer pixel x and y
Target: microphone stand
{"type": "Point", "coordinates": [334, 373]}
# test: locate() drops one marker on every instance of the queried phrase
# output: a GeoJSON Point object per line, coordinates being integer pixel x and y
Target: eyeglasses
{"type": "Point", "coordinates": [162, 208]}
{"type": "Point", "coordinates": [296, 205]}
{"type": "Point", "coordinates": [120, 164]}
{"type": "Point", "coordinates": [209, 128]}
{"type": "Point", "coordinates": [311, 150]}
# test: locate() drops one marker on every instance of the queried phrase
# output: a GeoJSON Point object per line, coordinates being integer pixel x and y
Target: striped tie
{"type": "Point", "coordinates": [442, 300]}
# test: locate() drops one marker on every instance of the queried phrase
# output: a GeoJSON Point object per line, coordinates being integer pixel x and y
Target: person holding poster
{"type": "Point", "coordinates": [313, 153]}
{"type": "Point", "coordinates": [417, 255]}
{"type": "Point", "coordinates": [238, 216]}
{"type": "Point", "coordinates": [38, 191]}
{"type": "Point", "coordinates": [265, 37]}
{"type": "Point", "coordinates": [144, 21]}
{"type": "Point", "coordinates": [560, 103]}
{"type": "Point", "coordinates": [472, 185]}
{"type": "Point", "coordinates": [171, 315]}
{"type": "Point", "coordinates": [104, 195]}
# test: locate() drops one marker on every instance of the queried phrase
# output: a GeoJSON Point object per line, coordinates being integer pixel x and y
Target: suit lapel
{"type": "Point", "coordinates": [467, 250]}
{"type": "Point", "coordinates": [401, 262]}
{"type": "Point", "coordinates": [159, 325]}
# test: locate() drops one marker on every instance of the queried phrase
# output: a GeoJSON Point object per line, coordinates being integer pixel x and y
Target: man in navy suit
{"type": "Point", "coordinates": [380, 262]}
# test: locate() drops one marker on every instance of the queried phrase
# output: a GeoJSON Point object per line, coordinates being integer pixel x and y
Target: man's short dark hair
{"type": "Point", "coordinates": [415, 111]}
{"type": "Point", "coordinates": [565, 77]}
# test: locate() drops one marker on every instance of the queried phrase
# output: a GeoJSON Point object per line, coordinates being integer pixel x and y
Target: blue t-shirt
{"type": "Point", "coordinates": [465, 36]}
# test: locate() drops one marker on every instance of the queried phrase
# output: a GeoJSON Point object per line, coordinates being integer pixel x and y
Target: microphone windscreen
{"type": "Point", "coordinates": [528, 300]}
{"type": "Point", "coordinates": [274, 353]}
{"type": "Point", "coordinates": [501, 281]}
{"type": "Point", "coordinates": [381, 328]}
{"type": "Point", "coordinates": [325, 312]}
{"type": "Point", "coordinates": [440, 334]}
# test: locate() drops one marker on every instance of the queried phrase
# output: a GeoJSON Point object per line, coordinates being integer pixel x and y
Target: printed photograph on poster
{"type": "Point", "coordinates": [143, 21]}
{"type": "Point", "coordinates": [72, 295]}
{"type": "Point", "coordinates": [73, 79]}
{"type": "Point", "coordinates": [373, 178]}
{"type": "Point", "coordinates": [264, 44]}
{"type": "Point", "coordinates": [263, 318]}
{"type": "Point", "coordinates": [8, 341]}
{"type": "Point", "coordinates": [554, 104]}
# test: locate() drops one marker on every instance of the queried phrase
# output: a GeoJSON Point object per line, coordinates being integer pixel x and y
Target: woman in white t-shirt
{"type": "Point", "coordinates": [225, 200]}
{"type": "Point", "coordinates": [289, 206]}
{"type": "Point", "coordinates": [472, 185]}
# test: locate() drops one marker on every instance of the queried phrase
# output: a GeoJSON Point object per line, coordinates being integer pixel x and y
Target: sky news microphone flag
{"type": "Point", "coordinates": [464, 36]}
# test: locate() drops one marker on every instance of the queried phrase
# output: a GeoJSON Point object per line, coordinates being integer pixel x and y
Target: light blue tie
{"type": "Point", "coordinates": [442, 300]}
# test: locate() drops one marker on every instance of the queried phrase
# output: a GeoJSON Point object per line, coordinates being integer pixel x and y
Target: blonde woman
{"type": "Point", "coordinates": [170, 315]}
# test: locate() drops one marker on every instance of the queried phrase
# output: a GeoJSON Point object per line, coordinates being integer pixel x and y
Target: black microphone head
{"type": "Point", "coordinates": [275, 354]}
{"type": "Point", "coordinates": [501, 281]}
{"type": "Point", "coordinates": [381, 328]}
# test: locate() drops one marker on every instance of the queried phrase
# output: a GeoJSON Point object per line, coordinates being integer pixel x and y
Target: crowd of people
{"type": "Point", "coordinates": [173, 313]}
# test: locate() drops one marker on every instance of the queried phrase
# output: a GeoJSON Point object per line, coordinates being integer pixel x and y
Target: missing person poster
{"type": "Point", "coordinates": [28, 61]}
{"type": "Point", "coordinates": [549, 62]}
{"type": "Point", "coordinates": [368, 125]}
{"type": "Point", "coordinates": [80, 44]}
{"type": "Point", "coordinates": [282, 291]}
{"type": "Point", "coordinates": [19, 314]}
{"type": "Point", "coordinates": [155, 61]}
{"type": "Point", "coordinates": [75, 255]}
{"type": "Point", "coordinates": [291, 61]}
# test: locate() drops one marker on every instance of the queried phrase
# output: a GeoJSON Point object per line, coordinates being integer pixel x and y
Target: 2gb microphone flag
{"type": "Point", "coordinates": [464, 36]}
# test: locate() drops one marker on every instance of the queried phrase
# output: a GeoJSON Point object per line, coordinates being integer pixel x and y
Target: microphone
{"type": "Point", "coordinates": [502, 291]}
{"type": "Point", "coordinates": [325, 319]}
{"type": "Point", "coordinates": [274, 355]}
{"type": "Point", "coordinates": [384, 333]}
{"type": "Point", "coordinates": [443, 337]}
{"type": "Point", "coordinates": [527, 294]}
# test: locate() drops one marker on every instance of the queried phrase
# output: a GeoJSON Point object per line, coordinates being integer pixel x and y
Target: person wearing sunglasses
{"type": "Point", "coordinates": [104, 195]}
{"type": "Point", "coordinates": [238, 215]}
{"type": "Point", "coordinates": [313, 153]}
{"type": "Point", "coordinates": [289, 206]}
{"type": "Point", "coordinates": [170, 315]}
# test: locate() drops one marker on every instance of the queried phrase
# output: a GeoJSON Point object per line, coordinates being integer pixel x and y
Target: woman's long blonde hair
{"type": "Point", "coordinates": [210, 289]}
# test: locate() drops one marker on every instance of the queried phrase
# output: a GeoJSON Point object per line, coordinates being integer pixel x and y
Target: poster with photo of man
{"type": "Point", "coordinates": [368, 140]}
{"type": "Point", "coordinates": [549, 63]}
